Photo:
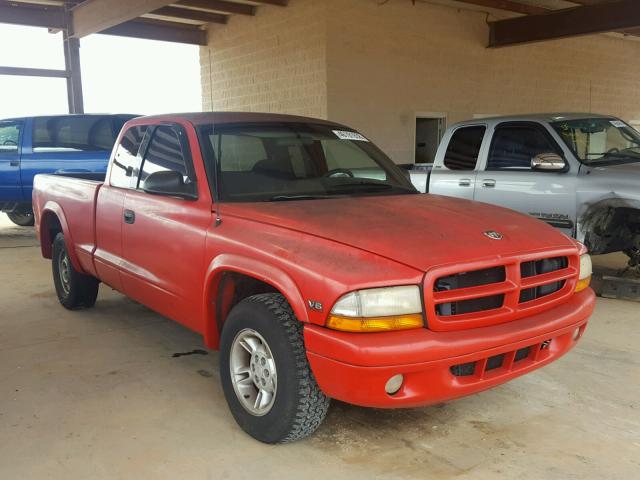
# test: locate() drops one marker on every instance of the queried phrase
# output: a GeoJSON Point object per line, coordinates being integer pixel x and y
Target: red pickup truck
{"type": "Point", "coordinates": [302, 253]}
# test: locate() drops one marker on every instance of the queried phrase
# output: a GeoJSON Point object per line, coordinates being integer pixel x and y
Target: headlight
{"type": "Point", "coordinates": [586, 270]}
{"type": "Point", "coordinates": [378, 310]}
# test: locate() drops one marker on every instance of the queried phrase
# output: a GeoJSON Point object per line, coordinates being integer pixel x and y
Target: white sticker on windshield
{"type": "Point", "coordinates": [617, 123]}
{"type": "Point", "coordinates": [346, 135]}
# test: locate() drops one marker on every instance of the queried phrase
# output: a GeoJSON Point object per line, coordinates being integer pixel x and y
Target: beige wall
{"type": "Point", "coordinates": [275, 62]}
{"type": "Point", "coordinates": [375, 66]}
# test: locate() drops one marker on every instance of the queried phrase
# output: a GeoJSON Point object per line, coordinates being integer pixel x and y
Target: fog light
{"type": "Point", "coordinates": [577, 334]}
{"type": "Point", "coordinates": [394, 384]}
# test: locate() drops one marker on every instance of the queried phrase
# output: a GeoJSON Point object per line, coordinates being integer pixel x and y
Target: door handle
{"type": "Point", "coordinates": [129, 216]}
{"type": "Point", "coordinates": [14, 163]}
{"type": "Point", "coordinates": [464, 182]}
{"type": "Point", "coordinates": [489, 183]}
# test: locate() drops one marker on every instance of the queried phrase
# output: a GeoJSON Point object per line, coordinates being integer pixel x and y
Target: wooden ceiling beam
{"type": "Point", "coordinates": [509, 6]}
{"type": "Point", "coordinates": [190, 14]}
{"type": "Point", "coordinates": [598, 18]}
{"type": "Point", "coordinates": [47, 16]}
{"type": "Point", "coordinates": [277, 3]}
{"type": "Point", "coordinates": [159, 30]}
{"type": "Point", "coordinates": [220, 6]}
{"type": "Point", "coordinates": [93, 16]}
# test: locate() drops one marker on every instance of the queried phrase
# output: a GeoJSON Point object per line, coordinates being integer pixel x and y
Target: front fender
{"type": "Point", "coordinates": [251, 267]}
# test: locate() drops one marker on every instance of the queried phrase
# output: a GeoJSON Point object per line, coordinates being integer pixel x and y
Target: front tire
{"type": "Point", "coordinates": [74, 289]}
{"type": "Point", "coordinates": [22, 218]}
{"type": "Point", "coordinates": [265, 375]}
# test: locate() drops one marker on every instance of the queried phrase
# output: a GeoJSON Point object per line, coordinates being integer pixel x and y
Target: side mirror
{"type": "Point", "coordinates": [548, 162]}
{"type": "Point", "coordinates": [169, 183]}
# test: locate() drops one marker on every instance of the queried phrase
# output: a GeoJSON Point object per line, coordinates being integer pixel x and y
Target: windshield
{"type": "Point", "coordinates": [297, 161]}
{"type": "Point", "coordinates": [600, 141]}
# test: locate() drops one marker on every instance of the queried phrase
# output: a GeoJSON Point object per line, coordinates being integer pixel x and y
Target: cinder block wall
{"type": "Point", "coordinates": [273, 62]}
{"type": "Point", "coordinates": [375, 66]}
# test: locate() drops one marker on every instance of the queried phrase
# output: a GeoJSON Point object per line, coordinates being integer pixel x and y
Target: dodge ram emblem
{"type": "Point", "coordinates": [493, 235]}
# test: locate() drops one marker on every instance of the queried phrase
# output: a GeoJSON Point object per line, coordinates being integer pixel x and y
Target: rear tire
{"type": "Point", "coordinates": [292, 406]}
{"type": "Point", "coordinates": [74, 289]}
{"type": "Point", "coordinates": [22, 218]}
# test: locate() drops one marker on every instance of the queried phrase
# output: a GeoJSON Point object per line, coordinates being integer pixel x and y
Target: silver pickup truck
{"type": "Point", "coordinates": [577, 172]}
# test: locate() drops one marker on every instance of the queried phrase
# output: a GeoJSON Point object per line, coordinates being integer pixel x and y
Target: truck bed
{"type": "Point", "coordinates": [72, 197]}
{"type": "Point", "coordinates": [419, 174]}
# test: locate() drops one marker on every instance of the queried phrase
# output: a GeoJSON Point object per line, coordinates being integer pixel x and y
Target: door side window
{"type": "Point", "coordinates": [164, 153]}
{"type": "Point", "coordinates": [514, 146]}
{"type": "Point", "coordinates": [9, 136]}
{"type": "Point", "coordinates": [464, 148]}
{"type": "Point", "coordinates": [124, 159]}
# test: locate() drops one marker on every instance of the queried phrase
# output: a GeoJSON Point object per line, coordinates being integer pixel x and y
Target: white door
{"type": "Point", "coordinates": [455, 175]}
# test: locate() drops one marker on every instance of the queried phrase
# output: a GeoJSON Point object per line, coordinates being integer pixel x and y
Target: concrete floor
{"type": "Point", "coordinates": [97, 394]}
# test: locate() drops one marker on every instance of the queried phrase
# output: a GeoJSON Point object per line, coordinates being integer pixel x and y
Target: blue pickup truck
{"type": "Point", "coordinates": [62, 143]}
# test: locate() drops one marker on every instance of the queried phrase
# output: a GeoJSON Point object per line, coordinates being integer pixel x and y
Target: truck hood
{"type": "Point", "coordinates": [612, 181]}
{"type": "Point", "coordinates": [625, 169]}
{"type": "Point", "coordinates": [420, 231]}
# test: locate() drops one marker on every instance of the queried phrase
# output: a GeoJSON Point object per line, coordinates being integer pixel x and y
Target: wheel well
{"type": "Point", "coordinates": [235, 287]}
{"type": "Point", "coordinates": [50, 226]}
{"type": "Point", "coordinates": [610, 228]}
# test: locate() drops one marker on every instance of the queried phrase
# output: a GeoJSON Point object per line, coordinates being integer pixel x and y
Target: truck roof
{"type": "Point", "coordinates": [61, 115]}
{"type": "Point", "coordinates": [203, 118]}
{"type": "Point", "coordinates": [536, 117]}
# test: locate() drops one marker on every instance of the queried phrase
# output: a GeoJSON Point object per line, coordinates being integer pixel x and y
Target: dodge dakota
{"type": "Point", "coordinates": [306, 257]}
{"type": "Point", "coordinates": [577, 172]}
{"type": "Point", "coordinates": [32, 145]}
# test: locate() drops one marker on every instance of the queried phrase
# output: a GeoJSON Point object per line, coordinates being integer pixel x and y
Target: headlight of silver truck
{"type": "Point", "coordinates": [378, 310]}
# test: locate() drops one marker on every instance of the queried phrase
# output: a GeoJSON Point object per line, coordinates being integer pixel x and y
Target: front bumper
{"type": "Point", "coordinates": [354, 367]}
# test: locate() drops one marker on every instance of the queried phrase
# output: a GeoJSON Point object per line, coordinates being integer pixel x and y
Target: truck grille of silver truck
{"type": "Point", "coordinates": [487, 293]}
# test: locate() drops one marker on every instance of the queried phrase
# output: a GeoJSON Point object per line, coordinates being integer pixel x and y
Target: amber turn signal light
{"type": "Point", "coordinates": [583, 284]}
{"type": "Point", "coordinates": [375, 324]}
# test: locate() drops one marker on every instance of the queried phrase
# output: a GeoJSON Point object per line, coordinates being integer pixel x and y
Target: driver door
{"type": "Point", "coordinates": [163, 236]}
{"type": "Point", "coordinates": [10, 136]}
{"type": "Point", "coordinates": [508, 180]}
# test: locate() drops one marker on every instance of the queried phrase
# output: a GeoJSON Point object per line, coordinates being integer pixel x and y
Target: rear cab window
{"type": "Point", "coordinates": [75, 133]}
{"type": "Point", "coordinates": [464, 146]}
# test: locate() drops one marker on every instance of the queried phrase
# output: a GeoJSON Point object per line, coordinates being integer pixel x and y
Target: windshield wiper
{"type": "Point", "coordinates": [621, 155]}
{"type": "Point", "coordinates": [370, 184]}
{"type": "Point", "coordinates": [287, 198]}
{"type": "Point", "coordinates": [613, 156]}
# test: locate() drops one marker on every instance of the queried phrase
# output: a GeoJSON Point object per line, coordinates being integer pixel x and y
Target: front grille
{"type": "Point", "coordinates": [502, 361]}
{"type": "Point", "coordinates": [474, 278]}
{"type": "Point", "coordinates": [482, 295]}
{"type": "Point", "coordinates": [522, 354]}
{"type": "Point", "coordinates": [539, 267]}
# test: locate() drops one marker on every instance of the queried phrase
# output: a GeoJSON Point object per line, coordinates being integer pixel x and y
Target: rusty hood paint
{"type": "Point", "coordinates": [420, 231]}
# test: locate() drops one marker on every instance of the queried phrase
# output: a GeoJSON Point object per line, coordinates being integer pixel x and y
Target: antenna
{"type": "Point", "coordinates": [217, 152]}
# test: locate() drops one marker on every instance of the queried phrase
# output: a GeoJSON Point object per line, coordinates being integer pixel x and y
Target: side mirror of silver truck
{"type": "Point", "coordinates": [548, 162]}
